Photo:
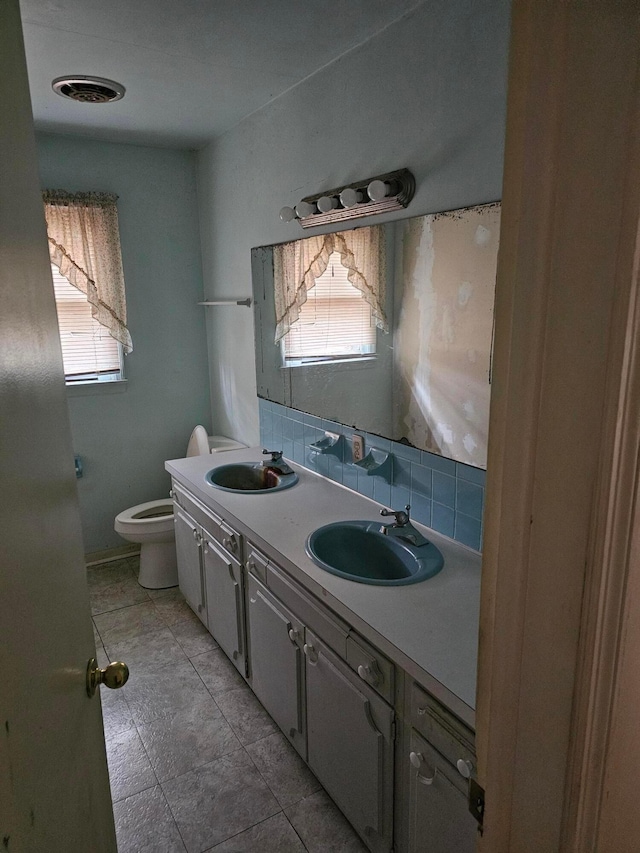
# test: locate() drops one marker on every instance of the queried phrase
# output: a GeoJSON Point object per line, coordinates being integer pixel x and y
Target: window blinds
{"type": "Point", "coordinates": [334, 322]}
{"type": "Point", "coordinates": [88, 350]}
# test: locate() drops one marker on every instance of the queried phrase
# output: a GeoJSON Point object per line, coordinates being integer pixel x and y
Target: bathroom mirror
{"type": "Point", "coordinates": [428, 382]}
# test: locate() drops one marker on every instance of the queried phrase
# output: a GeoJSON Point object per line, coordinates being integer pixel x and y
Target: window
{"type": "Point", "coordinates": [89, 352]}
{"type": "Point", "coordinates": [335, 322]}
{"type": "Point", "coordinates": [86, 265]}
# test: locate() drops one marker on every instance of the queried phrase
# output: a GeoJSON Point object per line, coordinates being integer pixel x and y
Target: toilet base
{"type": "Point", "coordinates": [158, 566]}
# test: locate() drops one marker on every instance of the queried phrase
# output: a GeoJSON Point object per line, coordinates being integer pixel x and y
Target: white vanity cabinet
{"type": "Point", "coordinates": [394, 759]}
{"type": "Point", "coordinates": [315, 678]}
{"type": "Point", "coordinates": [210, 573]}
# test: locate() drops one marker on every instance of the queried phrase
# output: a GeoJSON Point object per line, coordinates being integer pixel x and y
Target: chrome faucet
{"type": "Point", "coordinates": [401, 526]}
{"type": "Point", "coordinates": [276, 461]}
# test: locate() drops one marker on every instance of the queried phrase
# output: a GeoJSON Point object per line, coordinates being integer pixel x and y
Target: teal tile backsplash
{"type": "Point", "coordinates": [447, 496]}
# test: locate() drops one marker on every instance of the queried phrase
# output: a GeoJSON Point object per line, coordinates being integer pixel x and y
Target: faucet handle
{"type": "Point", "coordinates": [401, 515]}
{"type": "Point", "coordinates": [276, 455]}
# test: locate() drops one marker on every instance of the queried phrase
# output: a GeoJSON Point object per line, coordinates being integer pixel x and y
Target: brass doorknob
{"type": "Point", "coordinates": [113, 676]}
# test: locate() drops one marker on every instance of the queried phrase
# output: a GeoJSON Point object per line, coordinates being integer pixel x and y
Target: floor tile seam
{"type": "Point", "coordinates": [261, 774]}
{"type": "Point", "coordinates": [253, 826]}
{"type": "Point", "coordinates": [142, 790]}
{"type": "Point", "coordinates": [113, 610]}
{"type": "Point", "coordinates": [171, 627]}
{"type": "Point", "coordinates": [149, 667]}
{"type": "Point", "coordinates": [201, 766]}
{"type": "Point", "coordinates": [173, 817]}
{"type": "Point", "coordinates": [222, 841]}
{"type": "Point", "coordinates": [153, 770]}
{"type": "Point", "coordinates": [129, 606]}
{"type": "Point", "coordinates": [191, 769]}
{"type": "Point", "coordinates": [236, 733]}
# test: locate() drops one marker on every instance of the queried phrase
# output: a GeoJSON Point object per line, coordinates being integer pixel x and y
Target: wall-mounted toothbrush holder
{"type": "Point", "coordinates": [376, 462]}
{"type": "Point", "coordinates": [332, 444]}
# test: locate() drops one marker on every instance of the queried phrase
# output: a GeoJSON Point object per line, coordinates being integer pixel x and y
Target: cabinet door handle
{"type": "Point", "coordinates": [370, 673]}
{"type": "Point", "coordinates": [171, 493]}
{"type": "Point", "coordinates": [417, 759]}
{"type": "Point", "coordinates": [195, 533]}
{"type": "Point", "coordinates": [231, 543]}
{"type": "Point", "coordinates": [310, 653]}
{"type": "Point", "coordinates": [293, 635]}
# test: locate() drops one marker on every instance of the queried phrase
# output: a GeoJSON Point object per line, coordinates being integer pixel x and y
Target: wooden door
{"type": "Point", "coordinates": [54, 787]}
{"type": "Point", "coordinates": [560, 556]}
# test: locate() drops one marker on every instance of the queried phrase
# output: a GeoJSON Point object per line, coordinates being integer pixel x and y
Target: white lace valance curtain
{"type": "Point", "coordinates": [297, 265]}
{"type": "Point", "coordinates": [84, 243]}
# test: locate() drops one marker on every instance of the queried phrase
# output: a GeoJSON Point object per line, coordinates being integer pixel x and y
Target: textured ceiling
{"type": "Point", "coordinates": [192, 68]}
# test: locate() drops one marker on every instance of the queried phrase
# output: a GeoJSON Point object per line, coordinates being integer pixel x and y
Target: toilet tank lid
{"type": "Point", "coordinates": [199, 442]}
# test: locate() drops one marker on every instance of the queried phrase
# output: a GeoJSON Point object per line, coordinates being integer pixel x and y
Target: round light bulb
{"type": "Point", "coordinates": [326, 203]}
{"type": "Point", "coordinates": [350, 197]}
{"type": "Point", "coordinates": [303, 209]}
{"type": "Point", "coordinates": [377, 190]}
{"type": "Point", "coordinates": [287, 214]}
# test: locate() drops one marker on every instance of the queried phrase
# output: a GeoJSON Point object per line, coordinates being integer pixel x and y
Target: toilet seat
{"type": "Point", "coordinates": [152, 517]}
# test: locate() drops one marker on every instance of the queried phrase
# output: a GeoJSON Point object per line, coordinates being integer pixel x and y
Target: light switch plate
{"type": "Point", "coordinates": [357, 447]}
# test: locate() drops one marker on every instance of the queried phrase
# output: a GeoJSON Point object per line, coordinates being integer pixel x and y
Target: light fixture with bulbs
{"type": "Point", "coordinates": [380, 194]}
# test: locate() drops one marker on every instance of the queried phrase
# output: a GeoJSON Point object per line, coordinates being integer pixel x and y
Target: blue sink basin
{"type": "Point", "coordinates": [356, 550]}
{"type": "Point", "coordinates": [250, 477]}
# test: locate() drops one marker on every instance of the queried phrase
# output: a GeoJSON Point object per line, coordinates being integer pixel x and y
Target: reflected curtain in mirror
{"type": "Point", "coordinates": [297, 265]}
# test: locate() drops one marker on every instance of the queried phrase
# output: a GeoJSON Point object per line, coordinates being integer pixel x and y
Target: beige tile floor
{"type": "Point", "coordinates": [195, 762]}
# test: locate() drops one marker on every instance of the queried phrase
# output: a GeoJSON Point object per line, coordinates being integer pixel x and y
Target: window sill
{"type": "Point", "coordinates": [339, 363]}
{"type": "Point", "coordinates": [88, 389]}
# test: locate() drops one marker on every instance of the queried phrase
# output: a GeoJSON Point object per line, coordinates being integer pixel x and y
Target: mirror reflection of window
{"type": "Point", "coordinates": [335, 322]}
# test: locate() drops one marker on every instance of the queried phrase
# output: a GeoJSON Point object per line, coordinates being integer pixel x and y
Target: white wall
{"type": "Point", "coordinates": [428, 94]}
{"type": "Point", "coordinates": [125, 437]}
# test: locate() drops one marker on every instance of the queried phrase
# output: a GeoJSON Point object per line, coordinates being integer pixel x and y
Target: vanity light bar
{"type": "Point", "coordinates": [381, 194]}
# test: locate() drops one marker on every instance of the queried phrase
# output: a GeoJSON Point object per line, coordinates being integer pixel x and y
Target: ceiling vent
{"type": "Point", "coordinates": [89, 90]}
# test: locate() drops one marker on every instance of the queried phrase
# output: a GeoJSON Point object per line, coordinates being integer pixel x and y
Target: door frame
{"type": "Point", "coordinates": [556, 744]}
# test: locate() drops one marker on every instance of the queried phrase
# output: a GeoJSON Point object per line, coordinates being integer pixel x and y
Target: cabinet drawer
{"type": "Point", "coordinates": [371, 666]}
{"type": "Point", "coordinates": [447, 734]}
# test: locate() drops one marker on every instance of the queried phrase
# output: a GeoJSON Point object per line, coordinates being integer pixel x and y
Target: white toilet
{"type": "Point", "coordinates": [151, 523]}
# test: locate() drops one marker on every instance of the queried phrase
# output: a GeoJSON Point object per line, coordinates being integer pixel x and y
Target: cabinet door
{"type": "Point", "coordinates": [188, 553]}
{"type": "Point", "coordinates": [350, 744]}
{"type": "Point", "coordinates": [223, 584]}
{"type": "Point", "coordinates": [439, 818]}
{"type": "Point", "coordinates": [277, 662]}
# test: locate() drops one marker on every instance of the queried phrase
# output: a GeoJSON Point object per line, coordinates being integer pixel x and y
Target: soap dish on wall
{"type": "Point", "coordinates": [332, 444]}
{"type": "Point", "coordinates": [376, 462]}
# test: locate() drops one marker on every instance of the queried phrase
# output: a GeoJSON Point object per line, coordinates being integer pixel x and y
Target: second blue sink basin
{"type": "Point", "coordinates": [356, 550]}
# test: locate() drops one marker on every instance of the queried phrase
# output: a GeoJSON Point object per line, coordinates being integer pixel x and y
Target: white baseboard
{"type": "Point", "coordinates": [110, 554]}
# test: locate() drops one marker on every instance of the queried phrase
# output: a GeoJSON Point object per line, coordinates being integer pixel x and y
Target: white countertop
{"type": "Point", "coordinates": [429, 628]}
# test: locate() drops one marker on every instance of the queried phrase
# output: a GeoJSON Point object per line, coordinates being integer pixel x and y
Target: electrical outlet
{"type": "Point", "coordinates": [357, 447]}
